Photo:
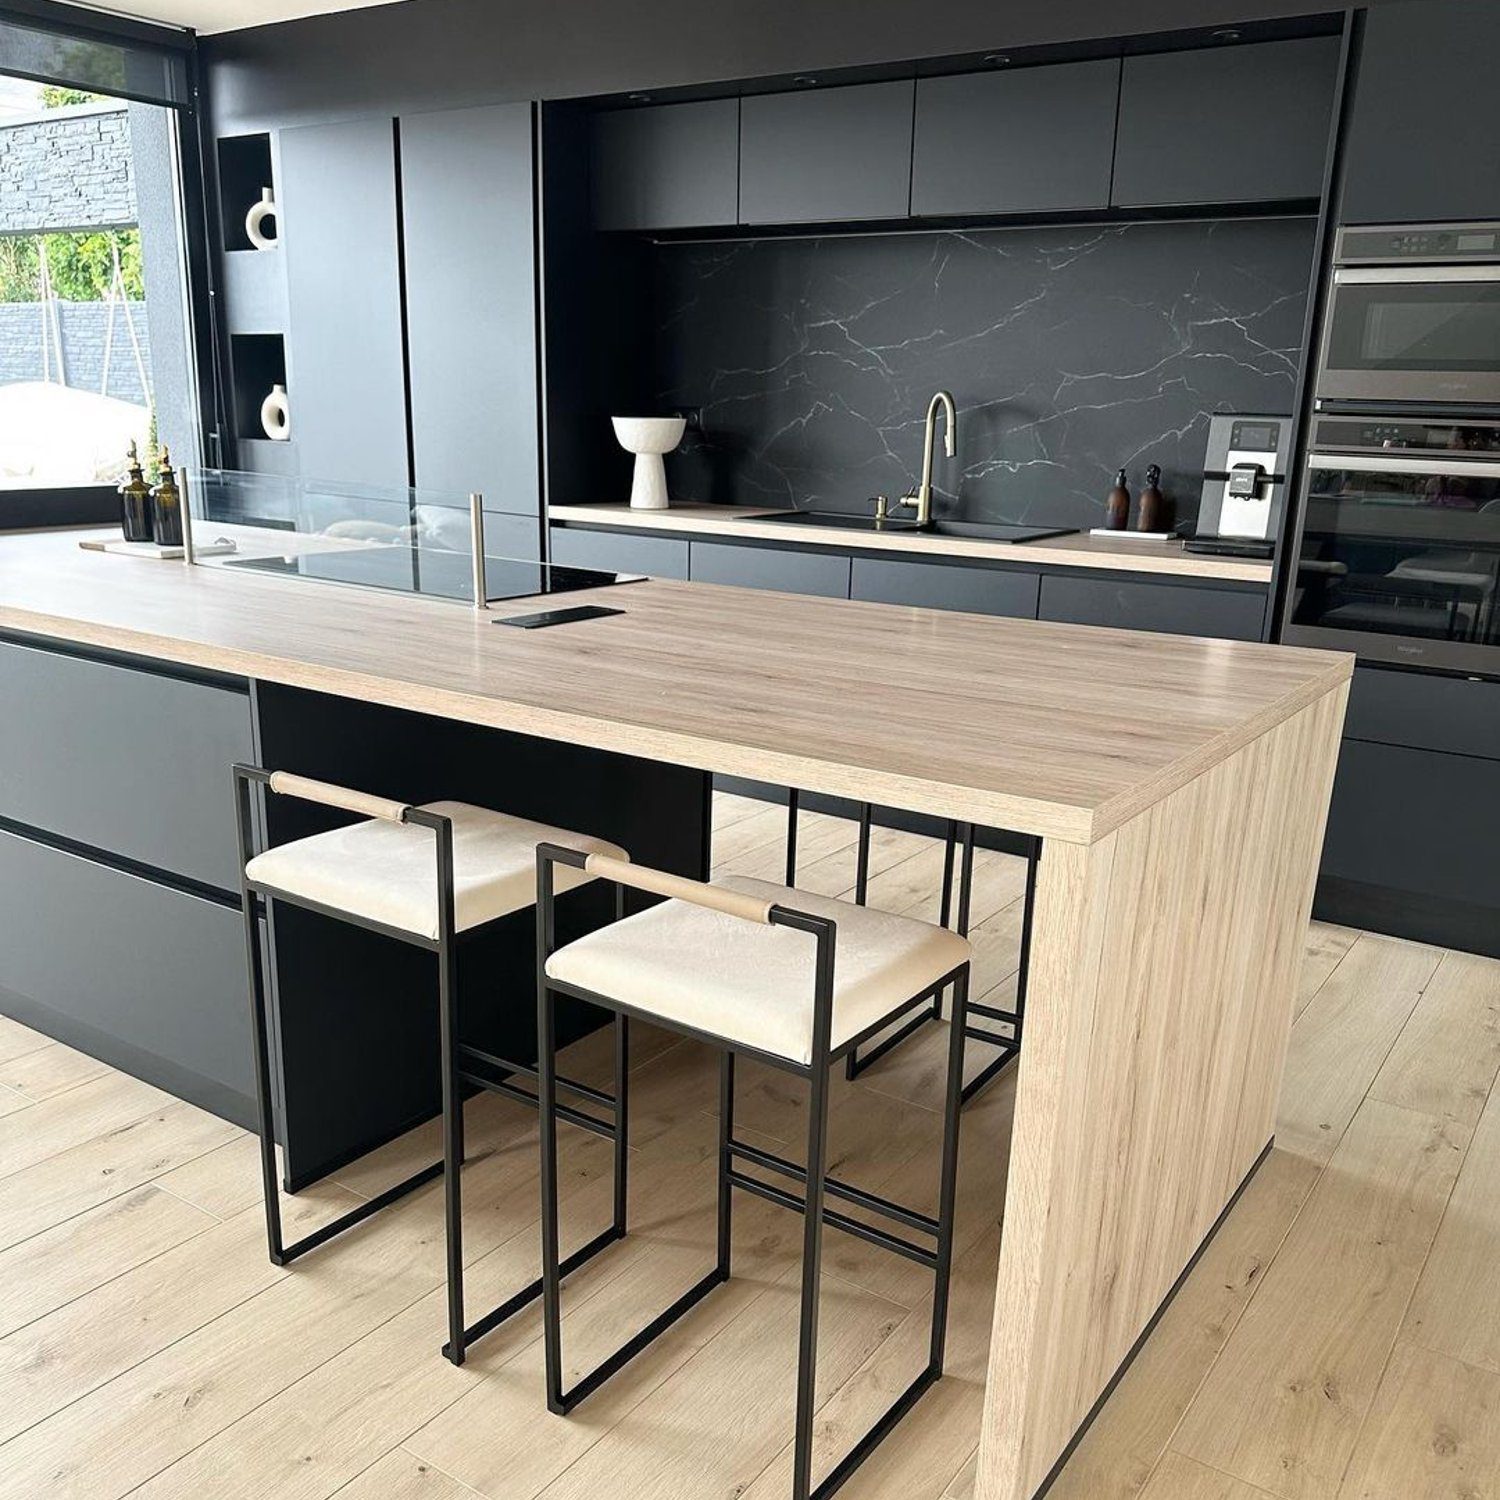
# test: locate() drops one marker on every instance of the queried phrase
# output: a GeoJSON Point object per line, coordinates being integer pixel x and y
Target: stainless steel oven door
{"type": "Point", "coordinates": [1398, 559]}
{"type": "Point", "coordinates": [1412, 334]}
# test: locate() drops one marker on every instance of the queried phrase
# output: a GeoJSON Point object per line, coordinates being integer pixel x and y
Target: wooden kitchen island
{"type": "Point", "coordinates": [1178, 786]}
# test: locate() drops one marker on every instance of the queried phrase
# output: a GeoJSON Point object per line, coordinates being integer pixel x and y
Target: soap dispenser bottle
{"type": "Point", "coordinates": [1153, 516]}
{"type": "Point", "coordinates": [1117, 505]}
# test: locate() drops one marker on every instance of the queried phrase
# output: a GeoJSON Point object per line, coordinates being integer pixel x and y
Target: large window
{"type": "Point", "coordinates": [96, 335]}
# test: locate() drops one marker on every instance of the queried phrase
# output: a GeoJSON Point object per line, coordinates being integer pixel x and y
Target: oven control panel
{"type": "Point", "coordinates": [1436, 244]}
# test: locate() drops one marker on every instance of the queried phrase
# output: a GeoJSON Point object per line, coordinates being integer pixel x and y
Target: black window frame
{"type": "Point", "coordinates": [86, 505]}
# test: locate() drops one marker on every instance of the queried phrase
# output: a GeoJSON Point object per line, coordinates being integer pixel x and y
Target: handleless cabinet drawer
{"type": "Point", "coordinates": [125, 760]}
{"type": "Point", "coordinates": [1416, 820]}
{"type": "Point", "coordinates": [151, 978]}
{"type": "Point", "coordinates": [1425, 712]}
{"type": "Point", "coordinates": [984, 591]}
{"type": "Point", "coordinates": [819, 572]}
{"type": "Point", "coordinates": [657, 556]}
{"type": "Point", "coordinates": [1172, 609]}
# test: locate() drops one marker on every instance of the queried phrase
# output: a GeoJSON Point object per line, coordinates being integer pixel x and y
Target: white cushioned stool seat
{"type": "Point", "coordinates": [751, 983]}
{"type": "Point", "coordinates": [387, 872]}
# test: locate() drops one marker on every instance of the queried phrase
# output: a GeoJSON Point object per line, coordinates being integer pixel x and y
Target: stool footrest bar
{"type": "Point", "coordinates": [355, 1216]}
{"type": "Point", "coordinates": [525, 1096]}
{"type": "Point", "coordinates": [836, 1189]}
{"type": "Point", "coordinates": [528, 1294]}
{"type": "Point", "coordinates": [994, 1013]}
{"type": "Point", "coordinates": [628, 1351]}
{"type": "Point", "coordinates": [507, 1065]}
{"type": "Point", "coordinates": [836, 1220]}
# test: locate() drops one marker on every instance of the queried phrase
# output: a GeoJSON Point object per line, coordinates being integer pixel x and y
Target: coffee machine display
{"type": "Point", "coordinates": [1244, 486]}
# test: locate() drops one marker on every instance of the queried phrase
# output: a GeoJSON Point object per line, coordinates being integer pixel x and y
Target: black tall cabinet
{"type": "Point", "coordinates": [466, 193]}
{"type": "Point", "coordinates": [338, 229]}
{"type": "Point", "coordinates": [1424, 132]}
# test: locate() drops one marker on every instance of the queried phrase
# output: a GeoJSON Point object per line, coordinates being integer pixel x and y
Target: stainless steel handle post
{"type": "Point", "coordinates": [183, 504]}
{"type": "Point", "coordinates": [476, 537]}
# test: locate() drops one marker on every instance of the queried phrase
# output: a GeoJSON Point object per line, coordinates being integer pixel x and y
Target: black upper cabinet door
{"type": "Point", "coordinates": [672, 166]}
{"type": "Point", "coordinates": [1032, 140]}
{"type": "Point", "coordinates": [466, 192]}
{"type": "Point", "coordinates": [1232, 125]}
{"type": "Point", "coordinates": [1423, 139]}
{"type": "Point", "coordinates": [840, 153]}
{"type": "Point", "coordinates": [345, 382]}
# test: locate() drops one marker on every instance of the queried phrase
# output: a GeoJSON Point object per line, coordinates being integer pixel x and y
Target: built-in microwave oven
{"type": "Point", "coordinates": [1413, 317]}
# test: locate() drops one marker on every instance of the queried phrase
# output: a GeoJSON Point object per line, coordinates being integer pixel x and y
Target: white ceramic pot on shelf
{"type": "Point", "coordinates": [276, 415]}
{"type": "Point", "coordinates": [256, 218]}
{"type": "Point", "coordinates": [648, 438]}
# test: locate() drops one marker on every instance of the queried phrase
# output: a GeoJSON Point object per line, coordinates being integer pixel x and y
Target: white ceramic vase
{"type": "Point", "coordinates": [648, 438]}
{"type": "Point", "coordinates": [256, 218]}
{"type": "Point", "coordinates": [276, 415]}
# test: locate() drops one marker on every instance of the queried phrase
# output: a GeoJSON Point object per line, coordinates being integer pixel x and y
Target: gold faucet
{"type": "Point", "coordinates": [920, 499]}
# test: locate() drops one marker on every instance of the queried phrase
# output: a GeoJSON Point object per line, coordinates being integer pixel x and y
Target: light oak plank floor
{"type": "Point", "coordinates": [1338, 1340]}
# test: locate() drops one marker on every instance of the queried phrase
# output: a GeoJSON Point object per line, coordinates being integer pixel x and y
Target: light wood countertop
{"type": "Point", "coordinates": [1078, 551]}
{"type": "Point", "coordinates": [1059, 730]}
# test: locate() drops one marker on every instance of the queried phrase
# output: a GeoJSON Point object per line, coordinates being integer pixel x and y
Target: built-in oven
{"type": "Point", "coordinates": [1413, 316]}
{"type": "Point", "coordinates": [1399, 541]}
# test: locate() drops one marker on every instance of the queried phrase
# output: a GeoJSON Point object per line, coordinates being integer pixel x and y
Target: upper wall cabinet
{"type": "Point", "coordinates": [466, 191]}
{"type": "Point", "coordinates": [1423, 141]}
{"type": "Point", "coordinates": [1032, 140]}
{"type": "Point", "coordinates": [826, 154]}
{"type": "Point", "coordinates": [344, 362]}
{"type": "Point", "coordinates": [670, 166]}
{"type": "Point", "coordinates": [1232, 125]}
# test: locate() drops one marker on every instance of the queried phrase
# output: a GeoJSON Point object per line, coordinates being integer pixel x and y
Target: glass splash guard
{"type": "Point", "coordinates": [411, 541]}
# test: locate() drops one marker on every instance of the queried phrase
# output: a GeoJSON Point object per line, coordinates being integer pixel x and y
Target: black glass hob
{"type": "Point", "coordinates": [432, 571]}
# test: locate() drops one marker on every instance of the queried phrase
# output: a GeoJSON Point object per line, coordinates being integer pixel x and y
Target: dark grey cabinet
{"type": "Point", "coordinates": [979, 590]}
{"type": "Point", "coordinates": [784, 568]}
{"type": "Point", "coordinates": [1417, 821]}
{"type": "Point", "coordinates": [1421, 142]}
{"type": "Point", "coordinates": [131, 762]}
{"type": "Point", "coordinates": [345, 380]}
{"type": "Point", "coordinates": [1233, 124]}
{"type": "Point", "coordinates": [667, 166]}
{"type": "Point", "coordinates": [1171, 608]}
{"type": "Point", "coordinates": [1031, 140]}
{"type": "Point", "coordinates": [466, 197]}
{"type": "Point", "coordinates": [656, 556]}
{"type": "Point", "coordinates": [826, 154]}
{"type": "Point", "coordinates": [1424, 712]}
{"type": "Point", "coordinates": [146, 977]}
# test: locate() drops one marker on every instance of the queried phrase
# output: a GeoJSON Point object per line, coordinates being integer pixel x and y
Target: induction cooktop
{"type": "Point", "coordinates": [433, 571]}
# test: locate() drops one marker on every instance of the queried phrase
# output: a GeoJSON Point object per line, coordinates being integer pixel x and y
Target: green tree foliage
{"type": "Point", "coordinates": [55, 96]}
{"type": "Point", "coordinates": [81, 265]}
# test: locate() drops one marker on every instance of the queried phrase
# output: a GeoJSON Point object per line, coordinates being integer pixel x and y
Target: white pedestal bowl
{"type": "Point", "coordinates": [648, 438]}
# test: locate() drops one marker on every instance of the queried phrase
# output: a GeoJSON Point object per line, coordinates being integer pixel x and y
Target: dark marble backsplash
{"type": "Point", "coordinates": [1069, 351]}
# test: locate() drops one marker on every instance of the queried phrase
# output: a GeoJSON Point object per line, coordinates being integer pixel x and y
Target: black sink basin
{"type": "Point", "coordinates": [983, 531]}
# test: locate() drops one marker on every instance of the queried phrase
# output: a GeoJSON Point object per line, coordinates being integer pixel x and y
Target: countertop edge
{"type": "Point", "coordinates": [749, 523]}
{"type": "Point", "coordinates": [1071, 824]}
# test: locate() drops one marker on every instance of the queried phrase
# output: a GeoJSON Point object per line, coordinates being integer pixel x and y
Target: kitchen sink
{"type": "Point", "coordinates": [984, 531]}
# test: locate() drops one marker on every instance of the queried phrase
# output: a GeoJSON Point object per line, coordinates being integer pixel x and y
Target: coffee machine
{"type": "Point", "coordinates": [1244, 485]}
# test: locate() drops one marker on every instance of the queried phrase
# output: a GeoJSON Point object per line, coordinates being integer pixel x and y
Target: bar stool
{"type": "Point", "coordinates": [958, 842]}
{"type": "Point", "coordinates": [750, 967]}
{"type": "Point", "coordinates": [421, 875]}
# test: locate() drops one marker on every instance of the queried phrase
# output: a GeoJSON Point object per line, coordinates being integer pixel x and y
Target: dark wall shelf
{"type": "Point", "coordinates": [259, 362]}
{"type": "Point", "coordinates": [245, 170]}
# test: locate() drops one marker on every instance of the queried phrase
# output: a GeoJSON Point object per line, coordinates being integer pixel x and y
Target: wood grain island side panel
{"type": "Point", "coordinates": [1164, 971]}
{"type": "Point", "coordinates": [1049, 729]}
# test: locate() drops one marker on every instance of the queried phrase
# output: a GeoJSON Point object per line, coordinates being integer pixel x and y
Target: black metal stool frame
{"type": "Point", "coordinates": [817, 1185]}
{"type": "Point", "coordinates": [253, 896]}
{"type": "Point", "coordinates": [958, 836]}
